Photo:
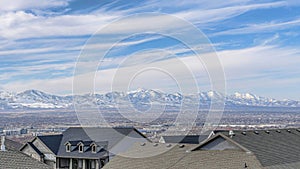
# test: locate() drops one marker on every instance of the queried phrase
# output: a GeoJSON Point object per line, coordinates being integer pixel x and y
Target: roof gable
{"type": "Point", "coordinates": [52, 142]}
{"type": "Point", "coordinates": [220, 142]}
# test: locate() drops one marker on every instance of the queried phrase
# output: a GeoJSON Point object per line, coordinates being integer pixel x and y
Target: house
{"type": "Point", "coordinates": [82, 147]}
{"type": "Point", "coordinates": [258, 149]}
{"type": "Point", "coordinates": [11, 158]}
{"type": "Point", "coordinates": [43, 148]}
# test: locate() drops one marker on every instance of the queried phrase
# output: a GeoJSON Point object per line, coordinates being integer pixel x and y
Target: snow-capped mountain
{"type": "Point", "coordinates": [140, 98]}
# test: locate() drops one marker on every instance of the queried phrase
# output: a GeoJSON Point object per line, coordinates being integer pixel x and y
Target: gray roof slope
{"type": "Point", "coordinates": [189, 139]}
{"type": "Point", "coordinates": [13, 145]}
{"type": "Point", "coordinates": [12, 159]}
{"type": "Point", "coordinates": [180, 158]}
{"type": "Point", "coordinates": [51, 141]}
{"type": "Point", "coordinates": [96, 134]}
{"type": "Point", "coordinates": [275, 147]}
{"type": "Point", "coordinates": [35, 149]}
{"type": "Point", "coordinates": [284, 166]}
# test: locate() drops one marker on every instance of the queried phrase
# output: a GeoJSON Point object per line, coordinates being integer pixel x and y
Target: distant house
{"type": "Point", "coordinates": [43, 148]}
{"type": "Point", "coordinates": [82, 148]}
{"type": "Point", "coordinates": [11, 158]}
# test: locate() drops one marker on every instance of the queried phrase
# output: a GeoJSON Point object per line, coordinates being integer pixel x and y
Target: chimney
{"type": "Point", "coordinates": [2, 143]}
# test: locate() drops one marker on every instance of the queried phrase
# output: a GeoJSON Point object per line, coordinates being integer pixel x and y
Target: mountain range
{"type": "Point", "coordinates": [140, 98]}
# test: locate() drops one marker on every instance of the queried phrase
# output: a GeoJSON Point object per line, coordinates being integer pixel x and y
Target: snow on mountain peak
{"type": "Point", "coordinates": [139, 97]}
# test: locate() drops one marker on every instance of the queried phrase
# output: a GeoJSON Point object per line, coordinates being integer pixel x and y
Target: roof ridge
{"type": "Point", "coordinates": [223, 136]}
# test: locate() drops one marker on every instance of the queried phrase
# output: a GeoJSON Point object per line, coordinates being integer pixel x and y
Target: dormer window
{"type": "Point", "coordinates": [68, 147]}
{"type": "Point", "coordinates": [94, 148]}
{"type": "Point", "coordinates": [80, 148]}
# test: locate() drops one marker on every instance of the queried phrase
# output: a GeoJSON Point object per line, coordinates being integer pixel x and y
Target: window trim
{"type": "Point", "coordinates": [94, 148]}
{"type": "Point", "coordinates": [80, 146]}
{"type": "Point", "coordinates": [68, 148]}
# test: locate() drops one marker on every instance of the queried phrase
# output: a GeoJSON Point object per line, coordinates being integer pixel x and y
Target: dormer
{"type": "Point", "coordinates": [68, 147]}
{"type": "Point", "coordinates": [80, 147]}
{"type": "Point", "coordinates": [93, 147]}
{"type": "Point", "coordinates": [71, 146]}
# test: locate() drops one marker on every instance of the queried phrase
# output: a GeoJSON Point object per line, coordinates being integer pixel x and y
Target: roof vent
{"type": "Point", "coordinates": [181, 145]}
{"type": "Point", "coordinates": [289, 131]}
{"type": "Point", "coordinates": [278, 131]}
{"type": "Point", "coordinates": [244, 133]}
{"type": "Point", "coordinates": [298, 130]}
{"type": "Point", "coordinates": [155, 144]}
{"type": "Point", "coordinates": [268, 132]}
{"type": "Point", "coordinates": [143, 144]}
{"type": "Point", "coordinates": [231, 133]}
{"type": "Point", "coordinates": [256, 132]}
{"type": "Point", "coordinates": [168, 145]}
{"type": "Point", "coordinates": [2, 143]}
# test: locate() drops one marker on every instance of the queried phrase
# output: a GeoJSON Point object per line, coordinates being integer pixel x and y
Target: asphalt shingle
{"type": "Point", "coordinates": [182, 158]}
{"type": "Point", "coordinates": [12, 159]}
{"type": "Point", "coordinates": [272, 147]}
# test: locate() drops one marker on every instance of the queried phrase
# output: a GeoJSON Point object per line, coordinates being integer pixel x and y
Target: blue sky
{"type": "Point", "coordinates": [257, 42]}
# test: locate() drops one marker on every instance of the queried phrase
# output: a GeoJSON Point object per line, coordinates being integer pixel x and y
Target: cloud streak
{"type": "Point", "coordinates": [16, 5]}
{"type": "Point", "coordinates": [263, 27]}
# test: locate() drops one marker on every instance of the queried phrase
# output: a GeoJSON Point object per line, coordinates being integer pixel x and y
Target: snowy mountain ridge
{"type": "Point", "coordinates": [35, 99]}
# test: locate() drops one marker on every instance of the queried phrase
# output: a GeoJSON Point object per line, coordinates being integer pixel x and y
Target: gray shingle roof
{"type": "Point", "coordinates": [284, 166]}
{"type": "Point", "coordinates": [273, 147]}
{"type": "Point", "coordinates": [103, 137]}
{"type": "Point", "coordinates": [35, 149]}
{"type": "Point", "coordinates": [12, 159]}
{"type": "Point", "coordinates": [13, 145]}
{"type": "Point", "coordinates": [180, 158]}
{"type": "Point", "coordinates": [51, 141]}
{"type": "Point", "coordinates": [189, 139]}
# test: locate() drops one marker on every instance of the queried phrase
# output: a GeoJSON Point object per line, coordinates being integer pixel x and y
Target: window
{"type": "Point", "coordinates": [68, 148]}
{"type": "Point", "coordinates": [80, 148]}
{"type": "Point", "coordinates": [94, 148]}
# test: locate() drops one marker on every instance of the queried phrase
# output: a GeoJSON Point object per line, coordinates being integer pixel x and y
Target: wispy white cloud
{"type": "Point", "coordinates": [15, 5]}
{"type": "Point", "coordinates": [263, 27]}
{"type": "Point", "coordinates": [245, 69]}
{"type": "Point", "coordinates": [18, 25]}
{"type": "Point", "coordinates": [270, 40]}
{"type": "Point", "coordinates": [222, 13]}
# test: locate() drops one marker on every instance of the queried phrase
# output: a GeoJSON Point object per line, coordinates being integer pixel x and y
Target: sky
{"type": "Point", "coordinates": [257, 43]}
